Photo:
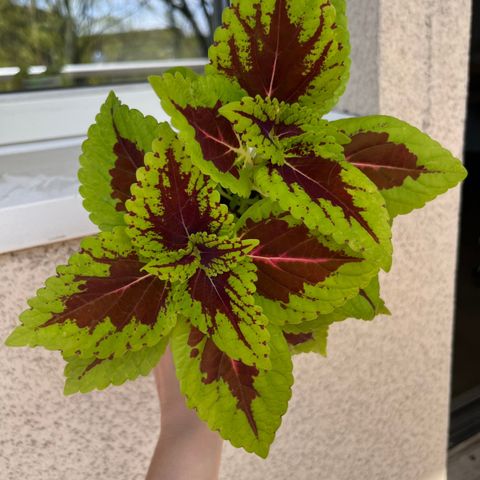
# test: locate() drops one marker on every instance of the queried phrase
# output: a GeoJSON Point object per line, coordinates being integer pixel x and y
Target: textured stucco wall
{"type": "Point", "coordinates": [377, 408]}
{"type": "Point", "coordinates": [361, 96]}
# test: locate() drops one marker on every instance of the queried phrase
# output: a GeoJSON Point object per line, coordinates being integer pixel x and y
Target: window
{"type": "Point", "coordinates": [48, 44]}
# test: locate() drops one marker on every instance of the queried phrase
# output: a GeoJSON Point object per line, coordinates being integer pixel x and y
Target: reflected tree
{"type": "Point", "coordinates": [201, 16]}
{"type": "Point", "coordinates": [58, 32]}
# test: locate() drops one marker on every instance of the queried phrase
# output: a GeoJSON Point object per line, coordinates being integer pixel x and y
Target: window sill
{"type": "Point", "coordinates": [39, 200]}
{"type": "Point", "coordinates": [42, 223]}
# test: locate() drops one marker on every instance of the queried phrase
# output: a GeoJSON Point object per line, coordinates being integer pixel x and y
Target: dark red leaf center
{"type": "Point", "coordinates": [125, 293]}
{"type": "Point", "coordinates": [385, 163]}
{"type": "Point", "coordinates": [277, 65]}
{"type": "Point", "coordinates": [216, 366]}
{"type": "Point", "coordinates": [321, 178]}
{"type": "Point", "coordinates": [128, 159]}
{"type": "Point", "coordinates": [215, 135]}
{"type": "Point", "coordinates": [290, 257]}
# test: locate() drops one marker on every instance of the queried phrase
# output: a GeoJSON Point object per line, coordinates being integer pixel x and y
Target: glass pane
{"type": "Point", "coordinates": [66, 43]}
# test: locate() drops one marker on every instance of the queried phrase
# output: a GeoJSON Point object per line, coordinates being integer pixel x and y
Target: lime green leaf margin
{"type": "Point", "coordinates": [442, 170]}
{"type": "Point", "coordinates": [214, 402]}
{"type": "Point", "coordinates": [86, 374]}
{"type": "Point", "coordinates": [98, 157]}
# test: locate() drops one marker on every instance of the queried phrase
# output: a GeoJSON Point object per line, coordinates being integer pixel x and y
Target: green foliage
{"type": "Point", "coordinates": [29, 36]}
{"type": "Point", "coordinates": [244, 404]}
{"type": "Point", "coordinates": [326, 273]}
{"type": "Point", "coordinates": [194, 104]}
{"type": "Point", "coordinates": [316, 201]}
{"type": "Point", "coordinates": [114, 149]}
{"type": "Point", "coordinates": [86, 374]}
{"type": "Point", "coordinates": [93, 308]}
{"type": "Point", "coordinates": [409, 167]}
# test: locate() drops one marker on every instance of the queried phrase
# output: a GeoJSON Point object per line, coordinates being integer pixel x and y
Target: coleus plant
{"type": "Point", "coordinates": [242, 234]}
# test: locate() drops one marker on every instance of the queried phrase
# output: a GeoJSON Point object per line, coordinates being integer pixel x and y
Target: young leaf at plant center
{"type": "Point", "coordinates": [407, 166]}
{"type": "Point", "coordinates": [300, 273]}
{"type": "Point", "coordinates": [314, 341]}
{"type": "Point", "coordinates": [318, 187]}
{"type": "Point", "coordinates": [213, 254]}
{"type": "Point", "coordinates": [101, 305]}
{"type": "Point", "coordinates": [270, 127]}
{"type": "Point", "coordinates": [292, 50]}
{"type": "Point", "coordinates": [181, 229]}
{"type": "Point", "coordinates": [209, 137]}
{"type": "Point", "coordinates": [115, 148]}
{"type": "Point", "coordinates": [244, 403]}
{"type": "Point", "coordinates": [86, 374]}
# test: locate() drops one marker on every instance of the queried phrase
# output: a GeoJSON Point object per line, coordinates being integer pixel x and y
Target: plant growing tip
{"type": "Point", "coordinates": [240, 239]}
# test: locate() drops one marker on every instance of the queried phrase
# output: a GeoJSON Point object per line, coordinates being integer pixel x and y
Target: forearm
{"type": "Point", "coordinates": [191, 454]}
{"type": "Point", "coordinates": [187, 449]}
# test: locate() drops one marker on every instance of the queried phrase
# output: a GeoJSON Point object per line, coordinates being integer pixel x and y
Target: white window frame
{"type": "Point", "coordinates": [53, 124]}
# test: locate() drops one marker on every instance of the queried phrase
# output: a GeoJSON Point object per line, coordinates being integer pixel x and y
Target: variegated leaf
{"type": "Point", "coordinates": [176, 222]}
{"type": "Point", "coordinates": [101, 305]}
{"type": "Point", "coordinates": [311, 336]}
{"type": "Point", "coordinates": [215, 255]}
{"type": "Point", "coordinates": [244, 403]}
{"type": "Point", "coordinates": [86, 374]}
{"type": "Point", "coordinates": [300, 273]}
{"type": "Point", "coordinates": [317, 186]}
{"type": "Point", "coordinates": [292, 50]}
{"type": "Point", "coordinates": [366, 305]}
{"type": "Point", "coordinates": [172, 201]}
{"type": "Point", "coordinates": [209, 138]}
{"type": "Point", "coordinates": [407, 166]}
{"type": "Point", "coordinates": [222, 306]}
{"type": "Point", "coordinates": [270, 127]}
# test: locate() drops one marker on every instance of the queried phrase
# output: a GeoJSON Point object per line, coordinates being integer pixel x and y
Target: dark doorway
{"type": "Point", "coordinates": [465, 411]}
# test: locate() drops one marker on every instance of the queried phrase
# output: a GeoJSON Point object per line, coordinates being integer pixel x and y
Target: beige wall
{"type": "Point", "coordinates": [377, 409]}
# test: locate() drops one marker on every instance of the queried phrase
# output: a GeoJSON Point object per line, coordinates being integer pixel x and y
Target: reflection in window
{"type": "Point", "coordinates": [62, 43]}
